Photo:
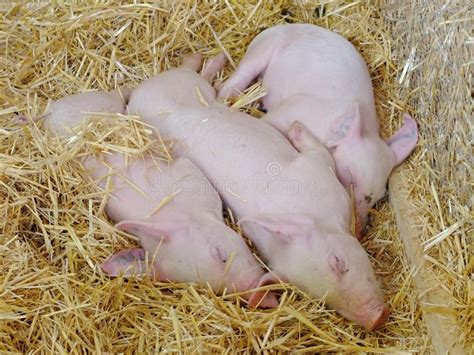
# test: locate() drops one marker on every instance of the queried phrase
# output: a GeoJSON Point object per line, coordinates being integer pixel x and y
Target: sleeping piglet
{"type": "Point", "coordinates": [290, 202]}
{"type": "Point", "coordinates": [317, 77]}
{"type": "Point", "coordinates": [185, 240]}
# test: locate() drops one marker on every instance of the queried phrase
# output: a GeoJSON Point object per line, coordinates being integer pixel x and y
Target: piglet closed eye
{"type": "Point", "coordinates": [219, 254]}
{"type": "Point", "coordinates": [338, 265]}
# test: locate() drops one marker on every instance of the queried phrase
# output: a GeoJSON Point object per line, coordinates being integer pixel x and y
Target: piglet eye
{"type": "Point", "coordinates": [341, 265]}
{"type": "Point", "coordinates": [219, 254]}
{"type": "Point", "coordinates": [338, 265]}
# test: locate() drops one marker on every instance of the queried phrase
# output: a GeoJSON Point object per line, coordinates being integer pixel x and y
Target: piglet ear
{"type": "Point", "coordinates": [284, 226]}
{"type": "Point", "coordinates": [346, 128]}
{"type": "Point", "coordinates": [264, 299]}
{"type": "Point", "coordinates": [337, 265]}
{"type": "Point", "coordinates": [142, 229]}
{"type": "Point", "coordinates": [404, 141]}
{"type": "Point", "coordinates": [128, 262]}
{"type": "Point", "coordinates": [162, 229]}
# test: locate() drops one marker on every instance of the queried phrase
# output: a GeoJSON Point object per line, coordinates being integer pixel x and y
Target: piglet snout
{"type": "Point", "coordinates": [263, 299]}
{"type": "Point", "coordinates": [379, 317]}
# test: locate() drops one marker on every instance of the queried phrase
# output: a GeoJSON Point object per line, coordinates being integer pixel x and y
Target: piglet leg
{"type": "Point", "coordinates": [304, 141]}
{"type": "Point", "coordinates": [250, 67]}
{"type": "Point", "coordinates": [214, 66]}
{"type": "Point", "coordinates": [301, 138]}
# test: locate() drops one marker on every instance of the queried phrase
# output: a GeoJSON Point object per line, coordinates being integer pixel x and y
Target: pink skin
{"type": "Point", "coordinates": [345, 277]}
{"type": "Point", "coordinates": [251, 165]}
{"type": "Point", "coordinates": [187, 240]}
{"type": "Point", "coordinates": [67, 112]}
{"type": "Point", "coordinates": [317, 77]}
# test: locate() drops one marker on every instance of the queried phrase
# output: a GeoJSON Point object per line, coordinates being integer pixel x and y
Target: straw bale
{"type": "Point", "coordinates": [54, 234]}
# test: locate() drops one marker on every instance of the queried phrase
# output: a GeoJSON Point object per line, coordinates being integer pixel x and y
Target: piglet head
{"type": "Point", "coordinates": [355, 291]}
{"type": "Point", "coordinates": [364, 163]}
{"type": "Point", "coordinates": [325, 264]}
{"type": "Point", "coordinates": [199, 249]}
{"type": "Point", "coordinates": [237, 269]}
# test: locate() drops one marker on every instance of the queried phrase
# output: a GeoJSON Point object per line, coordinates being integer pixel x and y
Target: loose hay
{"type": "Point", "coordinates": [54, 233]}
{"type": "Point", "coordinates": [432, 43]}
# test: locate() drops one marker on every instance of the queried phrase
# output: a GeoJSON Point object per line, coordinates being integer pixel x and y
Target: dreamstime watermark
{"type": "Point", "coordinates": [267, 185]}
{"type": "Point", "coordinates": [273, 169]}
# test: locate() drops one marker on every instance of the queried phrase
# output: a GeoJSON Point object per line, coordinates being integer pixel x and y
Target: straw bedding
{"type": "Point", "coordinates": [54, 234]}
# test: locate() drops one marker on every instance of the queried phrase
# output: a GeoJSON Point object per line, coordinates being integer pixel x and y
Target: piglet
{"type": "Point", "coordinates": [290, 202]}
{"type": "Point", "coordinates": [186, 239]}
{"type": "Point", "coordinates": [317, 77]}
